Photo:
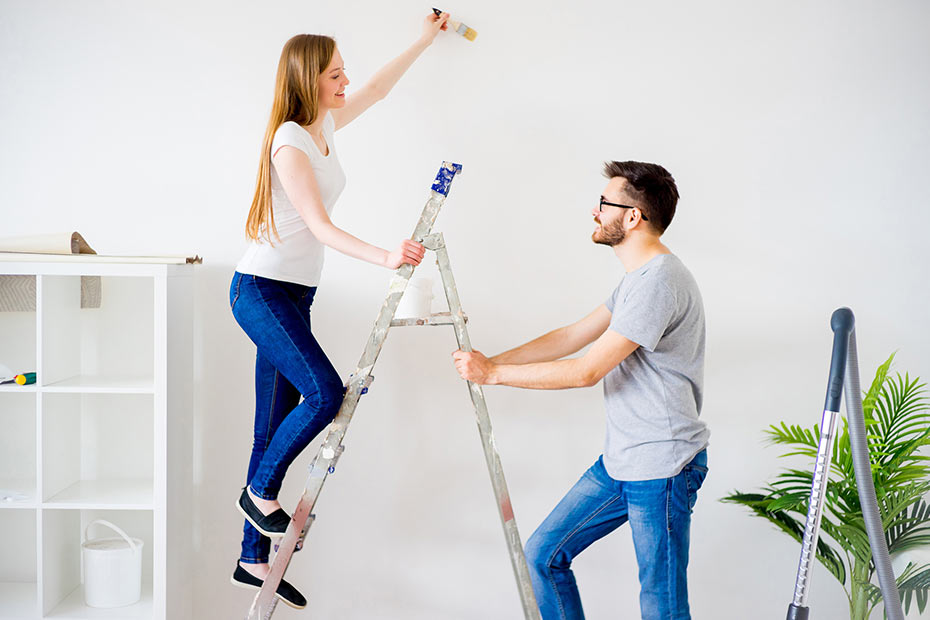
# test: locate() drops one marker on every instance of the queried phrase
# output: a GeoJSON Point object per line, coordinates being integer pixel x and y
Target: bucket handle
{"type": "Point", "coordinates": [132, 545]}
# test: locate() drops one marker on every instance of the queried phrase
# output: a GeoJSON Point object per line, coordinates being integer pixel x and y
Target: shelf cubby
{"type": "Point", "coordinates": [18, 450]}
{"type": "Point", "coordinates": [18, 570]}
{"type": "Point", "coordinates": [63, 590]}
{"type": "Point", "coordinates": [18, 327]}
{"type": "Point", "coordinates": [108, 348]}
{"type": "Point", "coordinates": [97, 451]}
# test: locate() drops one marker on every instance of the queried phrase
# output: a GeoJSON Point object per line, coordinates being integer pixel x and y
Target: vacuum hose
{"type": "Point", "coordinates": [862, 466]}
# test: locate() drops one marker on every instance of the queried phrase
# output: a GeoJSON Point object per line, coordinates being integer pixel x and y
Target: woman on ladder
{"type": "Point", "coordinates": [299, 180]}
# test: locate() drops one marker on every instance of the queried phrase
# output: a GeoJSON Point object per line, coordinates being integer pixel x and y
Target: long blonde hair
{"type": "Point", "coordinates": [303, 59]}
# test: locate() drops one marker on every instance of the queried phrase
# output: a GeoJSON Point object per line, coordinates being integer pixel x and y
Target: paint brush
{"type": "Point", "coordinates": [459, 27]}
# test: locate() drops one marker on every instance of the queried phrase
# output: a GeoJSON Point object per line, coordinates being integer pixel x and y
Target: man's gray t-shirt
{"type": "Point", "coordinates": [654, 396]}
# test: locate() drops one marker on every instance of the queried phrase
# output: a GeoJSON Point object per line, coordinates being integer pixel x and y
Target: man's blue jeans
{"type": "Point", "coordinates": [659, 513]}
{"type": "Point", "coordinates": [289, 364]}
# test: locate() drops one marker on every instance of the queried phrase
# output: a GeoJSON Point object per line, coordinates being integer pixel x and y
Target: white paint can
{"type": "Point", "coordinates": [112, 568]}
{"type": "Point", "coordinates": [417, 301]}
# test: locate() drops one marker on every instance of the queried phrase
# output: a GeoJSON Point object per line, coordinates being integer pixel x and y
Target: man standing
{"type": "Point", "coordinates": [649, 349]}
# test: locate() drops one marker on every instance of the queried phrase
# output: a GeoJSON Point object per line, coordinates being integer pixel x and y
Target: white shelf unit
{"type": "Point", "coordinates": [105, 433]}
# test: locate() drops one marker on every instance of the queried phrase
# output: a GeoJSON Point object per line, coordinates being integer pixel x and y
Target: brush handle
{"type": "Point", "coordinates": [25, 379]}
{"type": "Point", "coordinates": [453, 25]}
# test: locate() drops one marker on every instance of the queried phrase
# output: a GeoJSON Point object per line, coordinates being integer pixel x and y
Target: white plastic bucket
{"type": "Point", "coordinates": [417, 301]}
{"type": "Point", "coordinates": [112, 568]}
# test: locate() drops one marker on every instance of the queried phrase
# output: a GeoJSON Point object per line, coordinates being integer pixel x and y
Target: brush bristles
{"type": "Point", "coordinates": [466, 32]}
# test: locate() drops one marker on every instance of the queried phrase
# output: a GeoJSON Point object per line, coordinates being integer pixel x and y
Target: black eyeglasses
{"type": "Point", "coordinates": [600, 207]}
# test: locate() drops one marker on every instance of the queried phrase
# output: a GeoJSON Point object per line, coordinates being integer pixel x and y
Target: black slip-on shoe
{"type": "Point", "coordinates": [272, 526]}
{"type": "Point", "coordinates": [286, 592]}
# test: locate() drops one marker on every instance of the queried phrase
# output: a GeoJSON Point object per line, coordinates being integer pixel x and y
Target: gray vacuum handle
{"type": "Point", "coordinates": [842, 322]}
{"type": "Point", "coordinates": [798, 613]}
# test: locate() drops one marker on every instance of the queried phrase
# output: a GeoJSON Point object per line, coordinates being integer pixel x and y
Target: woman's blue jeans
{"type": "Point", "coordinates": [289, 365]}
{"type": "Point", "coordinates": [659, 513]}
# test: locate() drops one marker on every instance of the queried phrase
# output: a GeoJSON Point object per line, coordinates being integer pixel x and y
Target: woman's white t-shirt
{"type": "Point", "coordinates": [298, 256]}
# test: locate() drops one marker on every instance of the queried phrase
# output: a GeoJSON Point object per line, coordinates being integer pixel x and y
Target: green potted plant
{"type": "Point", "coordinates": [897, 416]}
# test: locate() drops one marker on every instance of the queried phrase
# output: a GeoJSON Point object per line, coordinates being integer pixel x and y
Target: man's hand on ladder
{"type": "Point", "coordinates": [474, 366]}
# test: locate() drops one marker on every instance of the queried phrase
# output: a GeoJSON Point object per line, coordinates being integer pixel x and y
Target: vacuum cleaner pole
{"type": "Point", "coordinates": [844, 371]}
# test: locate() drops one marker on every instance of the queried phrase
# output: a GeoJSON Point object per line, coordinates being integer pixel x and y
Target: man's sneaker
{"type": "Point", "coordinates": [286, 592]}
{"type": "Point", "coordinates": [272, 526]}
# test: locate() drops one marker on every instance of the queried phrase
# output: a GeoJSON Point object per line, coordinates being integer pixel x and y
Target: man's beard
{"type": "Point", "coordinates": [611, 235]}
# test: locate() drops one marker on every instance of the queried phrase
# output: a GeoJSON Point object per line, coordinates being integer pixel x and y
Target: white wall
{"type": "Point", "coordinates": [799, 136]}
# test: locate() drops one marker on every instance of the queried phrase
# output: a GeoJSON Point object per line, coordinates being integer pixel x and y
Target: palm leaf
{"type": "Point", "coordinates": [759, 503]}
{"type": "Point", "coordinates": [904, 415]}
{"type": "Point", "coordinates": [794, 435]}
{"type": "Point", "coordinates": [868, 401]}
{"type": "Point", "coordinates": [913, 586]}
{"type": "Point", "coordinates": [911, 531]}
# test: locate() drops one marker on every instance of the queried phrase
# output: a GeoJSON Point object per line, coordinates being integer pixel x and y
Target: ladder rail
{"type": "Point", "coordinates": [491, 455]}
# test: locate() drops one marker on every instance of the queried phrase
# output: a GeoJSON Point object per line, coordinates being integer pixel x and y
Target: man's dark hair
{"type": "Point", "coordinates": [651, 186]}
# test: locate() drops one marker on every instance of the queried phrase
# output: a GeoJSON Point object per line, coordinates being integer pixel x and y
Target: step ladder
{"type": "Point", "coordinates": [324, 462]}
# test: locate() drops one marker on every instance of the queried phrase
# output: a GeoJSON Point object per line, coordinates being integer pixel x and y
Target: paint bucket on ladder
{"type": "Point", "coordinates": [112, 568]}
{"type": "Point", "coordinates": [417, 301]}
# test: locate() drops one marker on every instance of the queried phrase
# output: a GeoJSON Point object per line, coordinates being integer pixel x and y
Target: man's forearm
{"type": "Point", "coordinates": [555, 375]}
{"type": "Point", "coordinates": [548, 347]}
